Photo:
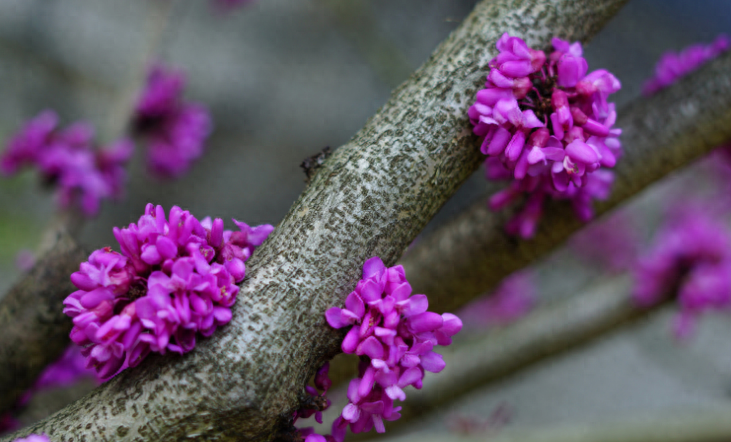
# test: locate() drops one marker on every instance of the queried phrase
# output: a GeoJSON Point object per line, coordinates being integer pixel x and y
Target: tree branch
{"type": "Point", "coordinates": [472, 253]}
{"type": "Point", "coordinates": [370, 198]}
{"type": "Point", "coordinates": [698, 426]}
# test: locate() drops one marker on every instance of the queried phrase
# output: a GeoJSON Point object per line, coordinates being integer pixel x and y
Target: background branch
{"type": "Point", "coordinates": [497, 354]}
{"type": "Point", "coordinates": [370, 198]}
{"type": "Point", "coordinates": [471, 253]}
{"type": "Point", "coordinates": [696, 426]}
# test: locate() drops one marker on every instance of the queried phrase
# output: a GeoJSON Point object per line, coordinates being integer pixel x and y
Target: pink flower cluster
{"type": "Point", "coordinates": [175, 130]}
{"type": "Point", "coordinates": [394, 335]}
{"type": "Point", "coordinates": [67, 158]}
{"type": "Point", "coordinates": [173, 279]}
{"type": "Point", "coordinates": [546, 125]}
{"type": "Point", "coordinates": [673, 65]}
{"type": "Point", "coordinates": [691, 256]}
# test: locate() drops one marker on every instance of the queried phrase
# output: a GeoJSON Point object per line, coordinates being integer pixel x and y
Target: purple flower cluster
{"type": "Point", "coordinates": [173, 279]}
{"type": "Point", "coordinates": [692, 257]}
{"type": "Point", "coordinates": [546, 125]}
{"type": "Point", "coordinates": [67, 158]}
{"type": "Point", "coordinates": [394, 335]}
{"type": "Point", "coordinates": [673, 65]}
{"type": "Point", "coordinates": [175, 130]}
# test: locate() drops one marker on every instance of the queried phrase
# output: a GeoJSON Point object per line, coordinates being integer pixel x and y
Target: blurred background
{"type": "Point", "coordinates": [285, 78]}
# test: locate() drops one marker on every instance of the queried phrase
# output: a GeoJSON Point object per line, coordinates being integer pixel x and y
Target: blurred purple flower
{"type": "Point", "coordinates": [67, 159]}
{"type": "Point", "coordinates": [612, 243]}
{"type": "Point", "coordinates": [175, 131]}
{"type": "Point", "coordinates": [34, 438]}
{"type": "Point", "coordinates": [672, 66]}
{"type": "Point", "coordinates": [510, 301]}
{"type": "Point", "coordinates": [691, 256]}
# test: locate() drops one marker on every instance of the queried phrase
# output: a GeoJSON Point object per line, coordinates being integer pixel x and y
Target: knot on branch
{"type": "Point", "coordinates": [311, 164]}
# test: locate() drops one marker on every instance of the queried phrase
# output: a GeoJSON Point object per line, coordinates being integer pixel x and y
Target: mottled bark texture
{"type": "Point", "coordinates": [34, 329]}
{"type": "Point", "coordinates": [472, 253]}
{"type": "Point", "coordinates": [372, 197]}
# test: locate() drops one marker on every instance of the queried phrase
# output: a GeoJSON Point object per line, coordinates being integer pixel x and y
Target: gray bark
{"type": "Point", "coordinates": [34, 329]}
{"type": "Point", "coordinates": [371, 198]}
{"type": "Point", "coordinates": [472, 253]}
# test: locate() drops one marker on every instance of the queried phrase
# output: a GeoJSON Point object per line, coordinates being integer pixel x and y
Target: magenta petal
{"type": "Point", "coordinates": [350, 343]}
{"type": "Point", "coordinates": [499, 141]}
{"type": "Point", "coordinates": [351, 413]}
{"type": "Point", "coordinates": [366, 383]}
{"type": "Point", "coordinates": [335, 318]}
{"type": "Point", "coordinates": [223, 315]}
{"type": "Point", "coordinates": [95, 297]}
{"type": "Point", "coordinates": [417, 304]}
{"type": "Point", "coordinates": [581, 152]}
{"type": "Point", "coordinates": [166, 247]}
{"type": "Point", "coordinates": [373, 407]}
{"type": "Point", "coordinates": [150, 254]}
{"type": "Point", "coordinates": [515, 147]}
{"type": "Point", "coordinates": [371, 347]}
{"type": "Point", "coordinates": [432, 362]}
{"type": "Point", "coordinates": [371, 291]}
{"type": "Point", "coordinates": [83, 282]}
{"type": "Point", "coordinates": [427, 321]}
{"type": "Point", "coordinates": [402, 292]}
{"type": "Point", "coordinates": [373, 267]}
{"type": "Point", "coordinates": [410, 376]}
{"type": "Point", "coordinates": [355, 304]}
{"type": "Point", "coordinates": [452, 324]}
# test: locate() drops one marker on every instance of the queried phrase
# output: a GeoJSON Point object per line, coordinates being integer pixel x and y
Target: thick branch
{"type": "Point", "coordinates": [472, 253]}
{"type": "Point", "coordinates": [705, 426]}
{"type": "Point", "coordinates": [370, 198]}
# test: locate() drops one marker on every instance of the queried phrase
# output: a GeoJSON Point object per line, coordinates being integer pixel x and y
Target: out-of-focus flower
{"type": "Point", "coordinates": [690, 257]}
{"type": "Point", "coordinates": [673, 66]}
{"type": "Point", "coordinates": [67, 159]}
{"type": "Point", "coordinates": [25, 260]}
{"type": "Point", "coordinates": [173, 129]}
{"type": "Point", "coordinates": [547, 125]}
{"type": "Point", "coordinates": [175, 277]}
{"type": "Point", "coordinates": [395, 335]}
{"type": "Point", "coordinates": [510, 301]}
{"type": "Point", "coordinates": [612, 243]}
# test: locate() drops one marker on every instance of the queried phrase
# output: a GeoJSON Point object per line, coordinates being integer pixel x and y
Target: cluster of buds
{"type": "Point", "coordinates": [673, 65]}
{"type": "Point", "coordinates": [394, 335]}
{"type": "Point", "coordinates": [67, 159]}
{"type": "Point", "coordinates": [172, 280]}
{"type": "Point", "coordinates": [691, 256]}
{"type": "Point", "coordinates": [547, 125]}
{"type": "Point", "coordinates": [174, 130]}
